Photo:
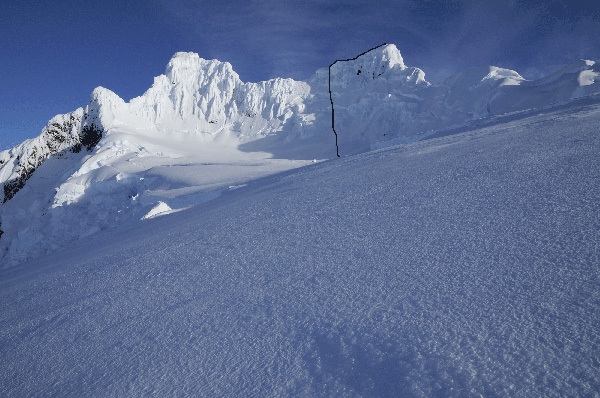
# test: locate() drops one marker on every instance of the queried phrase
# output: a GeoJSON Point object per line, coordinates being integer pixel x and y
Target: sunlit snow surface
{"type": "Point", "coordinates": [466, 265]}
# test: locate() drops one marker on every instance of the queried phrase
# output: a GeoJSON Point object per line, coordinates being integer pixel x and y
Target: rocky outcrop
{"type": "Point", "coordinates": [70, 132]}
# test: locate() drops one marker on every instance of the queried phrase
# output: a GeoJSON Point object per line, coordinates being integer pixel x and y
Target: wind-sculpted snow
{"type": "Point", "coordinates": [461, 266]}
{"type": "Point", "coordinates": [200, 129]}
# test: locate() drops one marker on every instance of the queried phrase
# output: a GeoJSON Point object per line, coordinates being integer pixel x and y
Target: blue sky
{"type": "Point", "coordinates": [54, 53]}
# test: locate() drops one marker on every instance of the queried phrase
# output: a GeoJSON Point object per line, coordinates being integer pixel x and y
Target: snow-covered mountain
{"type": "Point", "coordinates": [460, 266]}
{"type": "Point", "coordinates": [200, 131]}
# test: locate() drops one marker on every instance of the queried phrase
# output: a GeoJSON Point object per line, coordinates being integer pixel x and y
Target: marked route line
{"type": "Point", "coordinates": [337, 149]}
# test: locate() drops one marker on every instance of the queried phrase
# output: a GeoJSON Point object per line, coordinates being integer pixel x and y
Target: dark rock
{"type": "Point", "coordinates": [90, 136]}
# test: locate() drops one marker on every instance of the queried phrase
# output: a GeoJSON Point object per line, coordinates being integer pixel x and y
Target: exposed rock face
{"type": "Point", "coordinates": [69, 132]}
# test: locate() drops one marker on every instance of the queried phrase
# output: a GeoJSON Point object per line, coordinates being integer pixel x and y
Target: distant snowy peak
{"type": "Point", "coordinates": [189, 68]}
{"type": "Point", "coordinates": [486, 77]}
{"type": "Point", "coordinates": [471, 91]}
{"type": "Point", "coordinates": [207, 96]}
{"type": "Point", "coordinates": [191, 87]}
{"type": "Point", "coordinates": [505, 77]}
{"type": "Point", "coordinates": [107, 107]}
{"type": "Point", "coordinates": [202, 95]}
{"type": "Point", "coordinates": [388, 55]}
{"type": "Point", "coordinates": [382, 62]}
{"type": "Point", "coordinates": [381, 59]}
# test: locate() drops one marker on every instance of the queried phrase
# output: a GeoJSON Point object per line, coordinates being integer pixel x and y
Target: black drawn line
{"type": "Point", "coordinates": [337, 149]}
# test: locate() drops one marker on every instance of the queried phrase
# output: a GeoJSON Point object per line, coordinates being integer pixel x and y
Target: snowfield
{"type": "Point", "coordinates": [461, 266]}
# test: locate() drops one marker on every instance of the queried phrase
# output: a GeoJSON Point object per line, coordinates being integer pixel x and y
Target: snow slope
{"type": "Point", "coordinates": [465, 265]}
{"type": "Point", "coordinates": [200, 130]}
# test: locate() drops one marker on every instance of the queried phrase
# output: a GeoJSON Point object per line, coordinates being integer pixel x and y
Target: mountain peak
{"type": "Point", "coordinates": [391, 55]}
{"type": "Point", "coordinates": [104, 95]}
{"type": "Point", "coordinates": [189, 66]}
{"type": "Point", "coordinates": [385, 61]}
{"type": "Point", "coordinates": [380, 59]}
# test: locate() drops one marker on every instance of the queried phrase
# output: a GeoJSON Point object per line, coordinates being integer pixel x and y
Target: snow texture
{"type": "Point", "coordinates": [464, 265]}
{"type": "Point", "coordinates": [185, 243]}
